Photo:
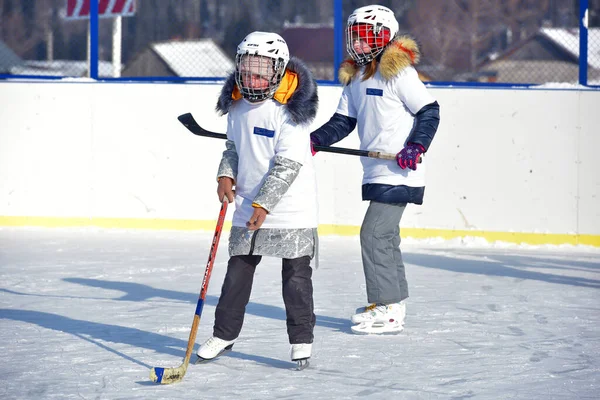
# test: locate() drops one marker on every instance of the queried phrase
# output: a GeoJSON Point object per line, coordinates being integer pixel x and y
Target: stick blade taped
{"type": "Point", "coordinates": [166, 376]}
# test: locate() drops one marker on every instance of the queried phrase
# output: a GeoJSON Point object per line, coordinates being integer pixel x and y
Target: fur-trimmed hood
{"type": "Point", "coordinates": [303, 103]}
{"type": "Point", "coordinates": [402, 52]}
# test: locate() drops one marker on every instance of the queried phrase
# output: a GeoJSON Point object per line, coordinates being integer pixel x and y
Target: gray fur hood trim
{"type": "Point", "coordinates": [302, 106]}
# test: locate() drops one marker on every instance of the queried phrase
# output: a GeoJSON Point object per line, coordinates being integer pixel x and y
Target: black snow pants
{"type": "Point", "coordinates": [297, 296]}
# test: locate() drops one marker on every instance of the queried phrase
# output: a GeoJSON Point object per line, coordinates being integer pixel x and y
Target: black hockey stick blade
{"type": "Point", "coordinates": [190, 123]}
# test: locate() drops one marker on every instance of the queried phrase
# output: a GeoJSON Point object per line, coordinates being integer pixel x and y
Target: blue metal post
{"type": "Point", "coordinates": [583, 41]}
{"type": "Point", "coordinates": [338, 36]}
{"type": "Point", "coordinates": [94, 39]}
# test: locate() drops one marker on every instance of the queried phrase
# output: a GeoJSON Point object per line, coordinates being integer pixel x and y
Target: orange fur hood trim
{"type": "Point", "coordinates": [286, 88]}
{"type": "Point", "coordinates": [402, 52]}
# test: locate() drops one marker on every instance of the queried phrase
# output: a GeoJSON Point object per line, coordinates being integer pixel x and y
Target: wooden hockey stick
{"type": "Point", "coordinates": [189, 122]}
{"type": "Point", "coordinates": [172, 375]}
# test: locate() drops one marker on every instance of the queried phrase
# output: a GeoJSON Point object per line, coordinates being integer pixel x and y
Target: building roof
{"type": "Point", "coordinates": [67, 68]}
{"type": "Point", "coordinates": [201, 57]}
{"type": "Point", "coordinates": [568, 39]}
{"type": "Point", "coordinates": [550, 55]}
{"type": "Point", "coordinates": [556, 44]}
{"type": "Point", "coordinates": [8, 59]}
{"type": "Point", "coordinates": [532, 71]}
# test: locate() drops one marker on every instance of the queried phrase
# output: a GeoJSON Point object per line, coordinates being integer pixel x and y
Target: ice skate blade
{"type": "Point", "coordinates": [301, 364]}
{"type": "Point", "coordinates": [366, 329]}
{"type": "Point", "coordinates": [200, 360]}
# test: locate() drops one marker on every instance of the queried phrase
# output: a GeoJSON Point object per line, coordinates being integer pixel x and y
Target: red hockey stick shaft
{"type": "Point", "coordinates": [172, 375]}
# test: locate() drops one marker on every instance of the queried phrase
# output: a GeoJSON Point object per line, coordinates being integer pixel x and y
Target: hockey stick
{"type": "Point", "coordinates": [189, 122]}
{"type": "Point", "coordinates": [172, 375]}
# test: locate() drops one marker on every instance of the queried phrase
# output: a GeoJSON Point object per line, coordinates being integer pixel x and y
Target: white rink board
{"type": "Point", "coordinates": [504, 160]}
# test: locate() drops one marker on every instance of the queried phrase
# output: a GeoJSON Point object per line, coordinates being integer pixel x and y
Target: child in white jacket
{"type": "Point", "coordinates": [394, 113]}
{"type": "Point", "coordinates": [270, 101]}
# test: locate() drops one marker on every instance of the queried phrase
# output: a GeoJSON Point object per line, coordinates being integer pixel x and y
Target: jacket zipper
{"type": "Point", "coordinates": [252, 242]}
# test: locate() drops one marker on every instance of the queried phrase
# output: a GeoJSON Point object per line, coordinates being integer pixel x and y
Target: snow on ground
{"type": "Point", "coordinates": [85, 314]}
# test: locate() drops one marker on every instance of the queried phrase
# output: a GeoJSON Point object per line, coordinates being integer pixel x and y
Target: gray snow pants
{"type": "Point", "coordinates": [297, 290]}
{"type": "Point", "coordinates": [382, 260]}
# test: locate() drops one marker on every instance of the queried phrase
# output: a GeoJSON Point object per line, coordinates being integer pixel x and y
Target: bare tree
{"type": "Point", "coordinates": [461, 33]}
{"type": "Point", "coordinates": [454, 33]}
{"type": "Point", "coordinates": [17, 29]}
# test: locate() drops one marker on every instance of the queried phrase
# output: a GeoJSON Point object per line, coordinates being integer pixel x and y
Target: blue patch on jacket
{"type": "Point", "coordinates": [263, 132]}
{"type": "Point", "coordinates": [374, 92]}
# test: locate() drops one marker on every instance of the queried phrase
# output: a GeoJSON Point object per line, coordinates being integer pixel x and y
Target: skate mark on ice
{"type": "Point", "coordinates": [516, 331]}
{"type": "Point", "coordinates": [583, 362]}
{"type": "Point", "coordinates": [538, 356]}
{"type": "Point", "coordinates": [540, 319]}
{"type": "Point", "coordinates": [571, 370]}
{"type": "Point", "coordinates": [522, 298]}
{"type": "Point", "coordinates": [492, 307]}
{"type": "Point", "coordinates": [465, 345]}
{"type": "Point", "coordinates": [470, 394]}
{"type": "Point", "coordinates": [454, 382]}
{"type": "Point", "coordinates": [271, 362]}
{"type": "Point", "coordinates": [471, 310]}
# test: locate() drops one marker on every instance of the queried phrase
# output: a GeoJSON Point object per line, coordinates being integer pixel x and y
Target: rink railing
{"type": "Point", "coordinates": [338, 23]}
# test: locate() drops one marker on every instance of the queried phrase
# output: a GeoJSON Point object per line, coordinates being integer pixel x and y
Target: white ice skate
{"type": "Point", "coordinates": [213, 348]}
{"type": "Point", "coordinates": [300, 353]}
{"type": "Point", "coordinates": [380, 319]}
{"type": "Point", "coordinates": [368, 313]}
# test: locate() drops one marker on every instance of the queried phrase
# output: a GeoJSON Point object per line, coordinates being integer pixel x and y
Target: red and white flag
{"type": "Point", "coordinates": [80, 9]}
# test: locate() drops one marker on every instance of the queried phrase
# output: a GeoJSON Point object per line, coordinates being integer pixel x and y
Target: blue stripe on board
{"type": "Point", "coordinates": [199, 307]}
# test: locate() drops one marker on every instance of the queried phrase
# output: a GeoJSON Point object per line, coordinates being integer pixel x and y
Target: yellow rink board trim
{"type": "Point", "coordinates": [447, 234]}
{"type": "Point", "coordinates": [324, 229]}
{"type": "Point", "coordinates": [117, 223]}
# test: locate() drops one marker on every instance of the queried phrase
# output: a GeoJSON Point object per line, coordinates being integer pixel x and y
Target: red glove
{"type": "Point", "coordinates": [409, 156]}
{"type": "Point", "coordinates": [313, 143]}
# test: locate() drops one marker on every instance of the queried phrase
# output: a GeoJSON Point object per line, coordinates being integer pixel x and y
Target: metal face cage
{"type": "Point", "coordinates": [258, 77]}
{"type": "Point", "coordinates": [376, 36]}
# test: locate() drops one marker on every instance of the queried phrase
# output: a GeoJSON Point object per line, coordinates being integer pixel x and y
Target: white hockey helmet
{"type": "Point", "coordinates": [376, 26]}
{"type": "Point", "coordinates": [260, 65]}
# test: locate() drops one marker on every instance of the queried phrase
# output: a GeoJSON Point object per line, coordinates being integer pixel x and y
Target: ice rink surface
{"type": "Point", "coordinates": [85, 314]}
